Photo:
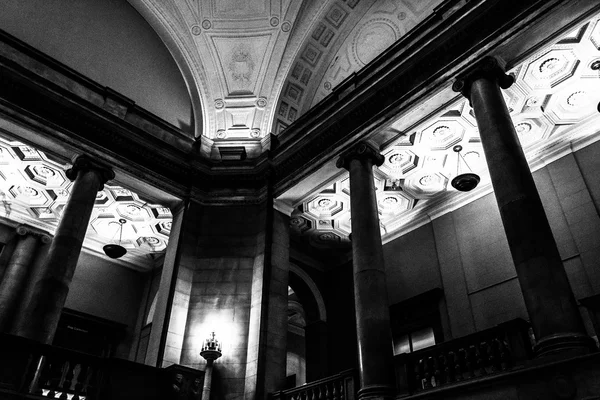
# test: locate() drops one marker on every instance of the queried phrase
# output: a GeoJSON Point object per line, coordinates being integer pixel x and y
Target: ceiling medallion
{"type": "Point", "coordinates": [196, 30]}
{"type": "Point", "coordinates": [274, 21]}
{"type": "Point", "coordinates": [441, 131]}
{"type": "Point", "coordinates": [206, 24]}
{"type": "Point", "coordinates": [324, 204]}
{"type": "Point", "coordinates": [578, 99]}
{"type": "Point", "coordinates": [426, 180]}
{"type": "Point", "coordinates": [286, 26]}
{"type": "Point", "coordinates": [523, 128]}
{"type": "Point", "coordinates": [221, 134]}
{"type": "Point", "coordinates": [255, 133]}
{"type": "Point", "coordinates": [219, 104]}
{"type": "Point", "coordinates": [327, 236]}
{"type": "Point", "coordinates": [295, 222]}
{"type": "Point", "coordinates": [261, 102]}
{"type": "Point", "coordinates": [467, 181]}
{"type": "Point", "coordinates": [390, 200]}
{"type": "Point", "coordinates": [396, 159]}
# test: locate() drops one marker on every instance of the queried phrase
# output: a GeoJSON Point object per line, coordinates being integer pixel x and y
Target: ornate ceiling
{"type": "Point", "coordinates": [253, 67]}
{"type": "Point", "coordinates": [34, 191]}
{"type": "Point", "coordinates": [552, 104]}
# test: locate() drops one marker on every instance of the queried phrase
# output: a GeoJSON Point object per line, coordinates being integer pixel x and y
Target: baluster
{"type": "Point", "coordinates": [327, 391]}
{"type": "Point", "coordinates": [471, 361]}
{"type": "Point", "coordinates": [65, 380]}
{"type": "Point", "coordinates": [482, 358]}
{"type": "Point", "coordinates": [342, 390]}
{"type": "Point", "coordinates": [427, 372]}
{"type": "Point", "coordinates": [458, 364]}
{"type": "Point", "coordinates": [505, 359]}
{"type": "Point", "coordinates": [442, 368]}
{"type": "Point", "coordinates": [418, 375]}
{"type": "Point", "coordinates": [323, 392]}
{"type": "Point", "coordinates": [335, 390]}
{"type": "Point", "coordinates": [75, 383]}
{"type": "Point", "coordinates": [312, 394]}
{"type": "Point", "coordinates": [494, 355]}
{"type": "Point", "coordinates": [40, 376]}
{"type": "Point", "coordinates": [449, 366]}
{"type": "Point", "coordinates": [437, 373]}
{"type": "Point", "coordinates": [88, 385]}
{"type": "Point", "coordinates": [54, 375]}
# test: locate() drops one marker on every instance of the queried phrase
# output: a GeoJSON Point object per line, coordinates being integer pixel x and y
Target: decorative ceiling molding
{"type": "Point", "coordinates": [233, 52]}
{"type": "Point", "coordinates": [552, 104]}
{"type": "Point", "coordinates": [34, 190]}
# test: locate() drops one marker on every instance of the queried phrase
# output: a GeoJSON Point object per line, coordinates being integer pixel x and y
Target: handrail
{"type": "Point", "coordinates": [340, 386]}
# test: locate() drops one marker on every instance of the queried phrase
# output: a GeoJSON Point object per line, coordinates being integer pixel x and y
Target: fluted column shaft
{"type": "Point", "coordinates": [549, 300]}
{"type": "Point", "coordinates": [41, 315]}
{"type": "Point", "coordinates": [370, 289]}
{"type": "Point", "coordinates": [16, 272]}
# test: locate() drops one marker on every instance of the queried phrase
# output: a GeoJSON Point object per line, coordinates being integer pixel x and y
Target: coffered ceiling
{"type": "Point", "coordinates": [552, 104]}
{"type": "Point", "coordinates": [34, 191]}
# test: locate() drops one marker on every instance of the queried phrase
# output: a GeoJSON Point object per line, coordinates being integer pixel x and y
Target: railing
{"type": "Point", "coordinates": [30, 368]}
{"type": "Point", "coordinates": [493, 350]}
{"type": "Point", "coordinates": [342, 386]}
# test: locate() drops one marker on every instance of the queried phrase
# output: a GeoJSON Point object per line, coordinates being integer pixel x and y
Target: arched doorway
{"type": "Point", "coordinates": [307, 329]}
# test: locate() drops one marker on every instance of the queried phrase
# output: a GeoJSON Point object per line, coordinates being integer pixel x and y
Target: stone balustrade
{"type": "Point", "coordinates": [342, 386]}
{"type": "Point", "coordinates": [493, 350]}
{"type": "Point", "coordinates": [30, 369]}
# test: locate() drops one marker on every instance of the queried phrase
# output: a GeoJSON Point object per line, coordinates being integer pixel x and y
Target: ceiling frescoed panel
{"type": "Point", "coordinates": [34, 190]}
{"type": "Point", "coordinates": [552, 103]}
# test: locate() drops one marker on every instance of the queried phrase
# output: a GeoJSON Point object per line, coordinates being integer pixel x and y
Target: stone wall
{"type": "Point", "coordinates": [465, 252]}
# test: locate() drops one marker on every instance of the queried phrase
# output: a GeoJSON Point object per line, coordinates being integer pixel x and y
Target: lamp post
{"type": "Point", "coordinates": [211, 350]}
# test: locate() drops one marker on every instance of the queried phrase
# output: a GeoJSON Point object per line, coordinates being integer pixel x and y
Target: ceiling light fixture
{"type": "Point", "coordinates": [467, 181]}
{"type": "Point", "coordinates": [116, 250]}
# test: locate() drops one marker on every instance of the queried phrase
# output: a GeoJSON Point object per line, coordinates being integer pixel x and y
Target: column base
{"type": "Point", "coordinates": [564, 345]}
{"type": "Point", "coordinates": [376, 392]}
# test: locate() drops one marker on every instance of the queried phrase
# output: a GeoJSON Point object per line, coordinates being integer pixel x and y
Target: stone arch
{"type": "Point", "coordinates": [315, 330]}
{"type": "Point", "coordinates": [303, 284]}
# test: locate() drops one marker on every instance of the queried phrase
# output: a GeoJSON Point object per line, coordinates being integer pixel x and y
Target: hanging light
{"type": "Point", "coordinates": [467, 181]}
{"type": "Point", "coordinates": [116, 250]}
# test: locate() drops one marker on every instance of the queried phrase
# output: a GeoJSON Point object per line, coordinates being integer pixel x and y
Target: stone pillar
{"type": "Point", "coordinates": [370, 289]}
{"type": "Point", "coordinates": [41, 315]}
{"type": "Point", "coordinates": [17, 270]}
{"type": "Point", "coordinates": [550, 303]}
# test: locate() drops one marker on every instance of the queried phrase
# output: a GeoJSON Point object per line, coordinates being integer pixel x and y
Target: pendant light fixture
{"type": "Point", "coordinates": [116, 250]}
{"type": "Point", "coordinates": [464, 182]}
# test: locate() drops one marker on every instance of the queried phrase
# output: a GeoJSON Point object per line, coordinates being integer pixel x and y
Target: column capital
{"type": "Point", "coordinates": [24, 230]}
{"type": "Point", "coordinates": [84, 163]}
{"type": "Point", "coordinates": [362, 150]}
{"type": "Point", "coordinates": [488, 67]}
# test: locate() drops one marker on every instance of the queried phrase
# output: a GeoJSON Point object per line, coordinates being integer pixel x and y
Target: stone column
{"type": "Point", "coordinates": [370, 289]}
{"type": "Point", "coordinates": [550, 303]}
{"type": "Point", "coordinates": [17, 270]}
{"type": "Point", "coordinates": [41, 315]}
